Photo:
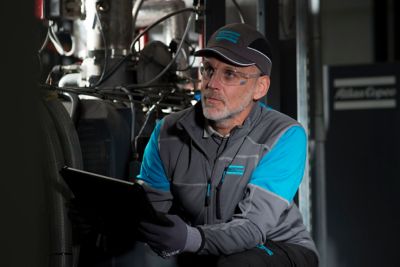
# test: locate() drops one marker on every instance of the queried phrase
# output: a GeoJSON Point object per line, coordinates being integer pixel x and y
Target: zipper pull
{"type": "Point", "coordinates": [263, 247]}
{"type": "Point", "coordinates": [218, 193]}
{"type": "Point", "coordinates": [208, 193]}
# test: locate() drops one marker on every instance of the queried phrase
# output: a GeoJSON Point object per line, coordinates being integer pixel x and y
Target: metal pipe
{"type": "Point", "coordinates": [113, 16]}
{"type": "Point", "coordinates": [120, 26]}
{"type": "Point", "coordinates": [302, 103]}
{"type": "Point", "coordinates": [71, 79]}
{"type": "Point", "coordinates": [108, 31]}
{"type": "Point", "coordinates": [319, 126]}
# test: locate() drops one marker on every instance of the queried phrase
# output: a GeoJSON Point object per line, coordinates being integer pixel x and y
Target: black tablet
{"type": "Point", "coordinates": [112, 198]}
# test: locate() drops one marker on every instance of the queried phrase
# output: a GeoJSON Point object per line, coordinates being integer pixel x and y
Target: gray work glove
{"type": "Point", "coordinates": [170, 240]}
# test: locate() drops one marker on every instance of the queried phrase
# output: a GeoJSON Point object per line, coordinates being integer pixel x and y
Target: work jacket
{"type": "Point", "coordinates": [239, 198]}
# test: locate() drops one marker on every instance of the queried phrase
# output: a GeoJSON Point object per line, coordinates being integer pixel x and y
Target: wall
{"type": "Point", "coordinates": [347, 31]}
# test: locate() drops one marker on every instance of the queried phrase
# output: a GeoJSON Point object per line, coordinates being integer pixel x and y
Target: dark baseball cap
{"type": "Point", "coordinates": [240, 45]}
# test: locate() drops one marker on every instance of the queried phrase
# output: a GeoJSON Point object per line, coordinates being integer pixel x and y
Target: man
{"type": "Point", "coordinates": [227, 169]}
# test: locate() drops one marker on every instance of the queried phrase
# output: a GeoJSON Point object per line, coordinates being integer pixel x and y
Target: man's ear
{"type": "Point", "coordinates": [262, 87]}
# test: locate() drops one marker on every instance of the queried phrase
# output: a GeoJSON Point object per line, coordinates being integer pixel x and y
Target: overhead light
{"type": "Point", "coordinates": [314, 6]}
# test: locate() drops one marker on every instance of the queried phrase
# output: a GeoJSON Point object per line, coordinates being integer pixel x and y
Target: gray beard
{"type": "Point", "coordinates": [223, 115]}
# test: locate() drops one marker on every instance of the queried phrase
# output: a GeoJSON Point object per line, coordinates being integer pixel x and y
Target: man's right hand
{"type": "Point", "coordinates": [86, 225]}
{"type": "Point", "coordinates": [114, 234]}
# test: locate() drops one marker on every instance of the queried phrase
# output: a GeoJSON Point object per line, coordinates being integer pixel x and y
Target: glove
{"type": "Point", "coordinates": [170, 240]}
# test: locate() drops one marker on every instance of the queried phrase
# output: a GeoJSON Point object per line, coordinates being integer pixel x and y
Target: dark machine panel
{"type": "Point", "coordinates": [363, 165]}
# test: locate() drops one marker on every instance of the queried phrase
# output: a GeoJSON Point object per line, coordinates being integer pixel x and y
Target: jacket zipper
{"type": "Point", "coordinates": [209, 209]}
{"type": "Point", "coordinates": [218, 196]}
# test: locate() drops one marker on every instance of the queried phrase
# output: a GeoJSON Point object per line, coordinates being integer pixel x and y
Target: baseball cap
{"type": "Point", "coordinates": [240, 45]}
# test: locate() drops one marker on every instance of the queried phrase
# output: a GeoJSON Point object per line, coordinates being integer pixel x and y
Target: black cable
{"type": "Point", "coordinates": [158, 22]}
{"type": "Point", "coordinates": [56, 68]}
{"type": "Point", "coordinates": [135, 12]}
{"type": "Point", "coordinates": [188, 66]}
{"type": "Point", "coordinates": [39, 54]}
{"type": "Point", "coordinates": [193, 60]}
{"type": "Point", "coordinates": [119, 63]}
{"type": "Point", "coordinates": [141, 86]}
{"type": "Point", "coordinates": [57, 44]}
{"type": "Point", "coordinates": [239, 11]}
{"type": "Point", "coordinates": [148, 114]}
{"type": "Point", "coordinates": [159, 75]}
{"type": "Point", "coordinates": [113, 69]}
{"type": "Point", "coordinates": [108, 91]}
{"type": "Point", "coordinates": [100, 80]}
{"type": "Point", "coordinates": [46, 40]}
{"type": "Point", "coordinates": [117, 95]}
{"type": "Point", "coordinates": [111, 88]}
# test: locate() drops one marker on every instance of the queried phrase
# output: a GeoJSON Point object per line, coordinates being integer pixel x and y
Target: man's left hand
{"type": "Point", "coordinates": [167, 241]}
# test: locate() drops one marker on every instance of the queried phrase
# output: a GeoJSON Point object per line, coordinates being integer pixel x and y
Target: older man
{"type": "Point", "coordinates": [226, 170]}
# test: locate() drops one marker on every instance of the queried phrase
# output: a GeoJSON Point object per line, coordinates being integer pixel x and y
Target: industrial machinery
{"type": "Point", "coordinates": [109, 71]}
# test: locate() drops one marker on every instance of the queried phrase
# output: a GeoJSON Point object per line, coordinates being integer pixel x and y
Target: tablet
{"type": "Point", "coordinates": [111, 198]}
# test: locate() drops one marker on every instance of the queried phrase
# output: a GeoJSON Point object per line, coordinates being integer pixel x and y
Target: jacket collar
{"type": "Point", "coordinates": [194, 123]}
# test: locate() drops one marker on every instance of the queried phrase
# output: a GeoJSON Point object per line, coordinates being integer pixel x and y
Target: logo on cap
{"type": "Point", "coordinates": [230, 36]}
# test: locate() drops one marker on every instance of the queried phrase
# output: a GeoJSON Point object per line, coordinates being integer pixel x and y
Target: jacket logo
{"type": "Point", "coordinates": [235, 170]}
{"type": "Point", "coordinates": [230, 36]}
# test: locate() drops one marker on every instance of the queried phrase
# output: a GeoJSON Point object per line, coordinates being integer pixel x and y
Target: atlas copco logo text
{"type": "Point", "coordinates": [370, 92]}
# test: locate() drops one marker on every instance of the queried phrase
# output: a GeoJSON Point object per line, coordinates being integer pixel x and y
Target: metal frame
{"type": "Point", "coordinates": [302, 103]}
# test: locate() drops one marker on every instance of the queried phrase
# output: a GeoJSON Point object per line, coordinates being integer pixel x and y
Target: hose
{"type": "Point", "coordinates": [176, 54]}
{"type": "Point", "coordinates": [239, 11]}
{"type": "Point", "coordinates": [57, 44]}
{"type": "Point", "coordinates": [119, 63]}
{"type": "Point", "coordinates": [158, 22]}
{"type": "Point", "coordinates": [132, 106]}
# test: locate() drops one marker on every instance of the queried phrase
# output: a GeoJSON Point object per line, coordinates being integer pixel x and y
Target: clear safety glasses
{"type": "Point", "coordinates": [227, 75]}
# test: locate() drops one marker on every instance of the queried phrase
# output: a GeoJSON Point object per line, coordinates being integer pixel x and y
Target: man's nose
{"type": "Point", "coordinates": [214, 81]}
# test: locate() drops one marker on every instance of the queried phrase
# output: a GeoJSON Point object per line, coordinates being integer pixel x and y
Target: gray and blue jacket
{"type": "Point", "coordinates": [241, 196]}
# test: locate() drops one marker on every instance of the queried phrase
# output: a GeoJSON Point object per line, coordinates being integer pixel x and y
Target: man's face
{"type": "Point", "coordinates": [222, 100]}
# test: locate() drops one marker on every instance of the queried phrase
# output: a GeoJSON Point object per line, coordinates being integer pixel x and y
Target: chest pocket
{"type": "Point", "coordinates": [231, 188]}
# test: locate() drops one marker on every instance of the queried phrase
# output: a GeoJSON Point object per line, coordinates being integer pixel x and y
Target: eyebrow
{"type": "Point", "coordinates": [226, 66]}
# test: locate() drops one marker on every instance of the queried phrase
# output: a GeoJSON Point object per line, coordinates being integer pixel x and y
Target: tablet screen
{"type": "Point", "coordinates": [112, 198]}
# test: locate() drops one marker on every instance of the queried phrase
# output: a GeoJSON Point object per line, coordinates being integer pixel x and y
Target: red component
{"type": "Point", "coordinates": [144, 40]}
{"type": "Point", "coordinates": [39, 9]}
{"type": "Point", "coordinates": [201, 41]}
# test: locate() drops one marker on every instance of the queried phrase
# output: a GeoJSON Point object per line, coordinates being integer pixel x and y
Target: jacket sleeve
{"type": "Point", "coordinates": [153, 175]}
{"type": "Point", "coordinates": [268, 195]}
